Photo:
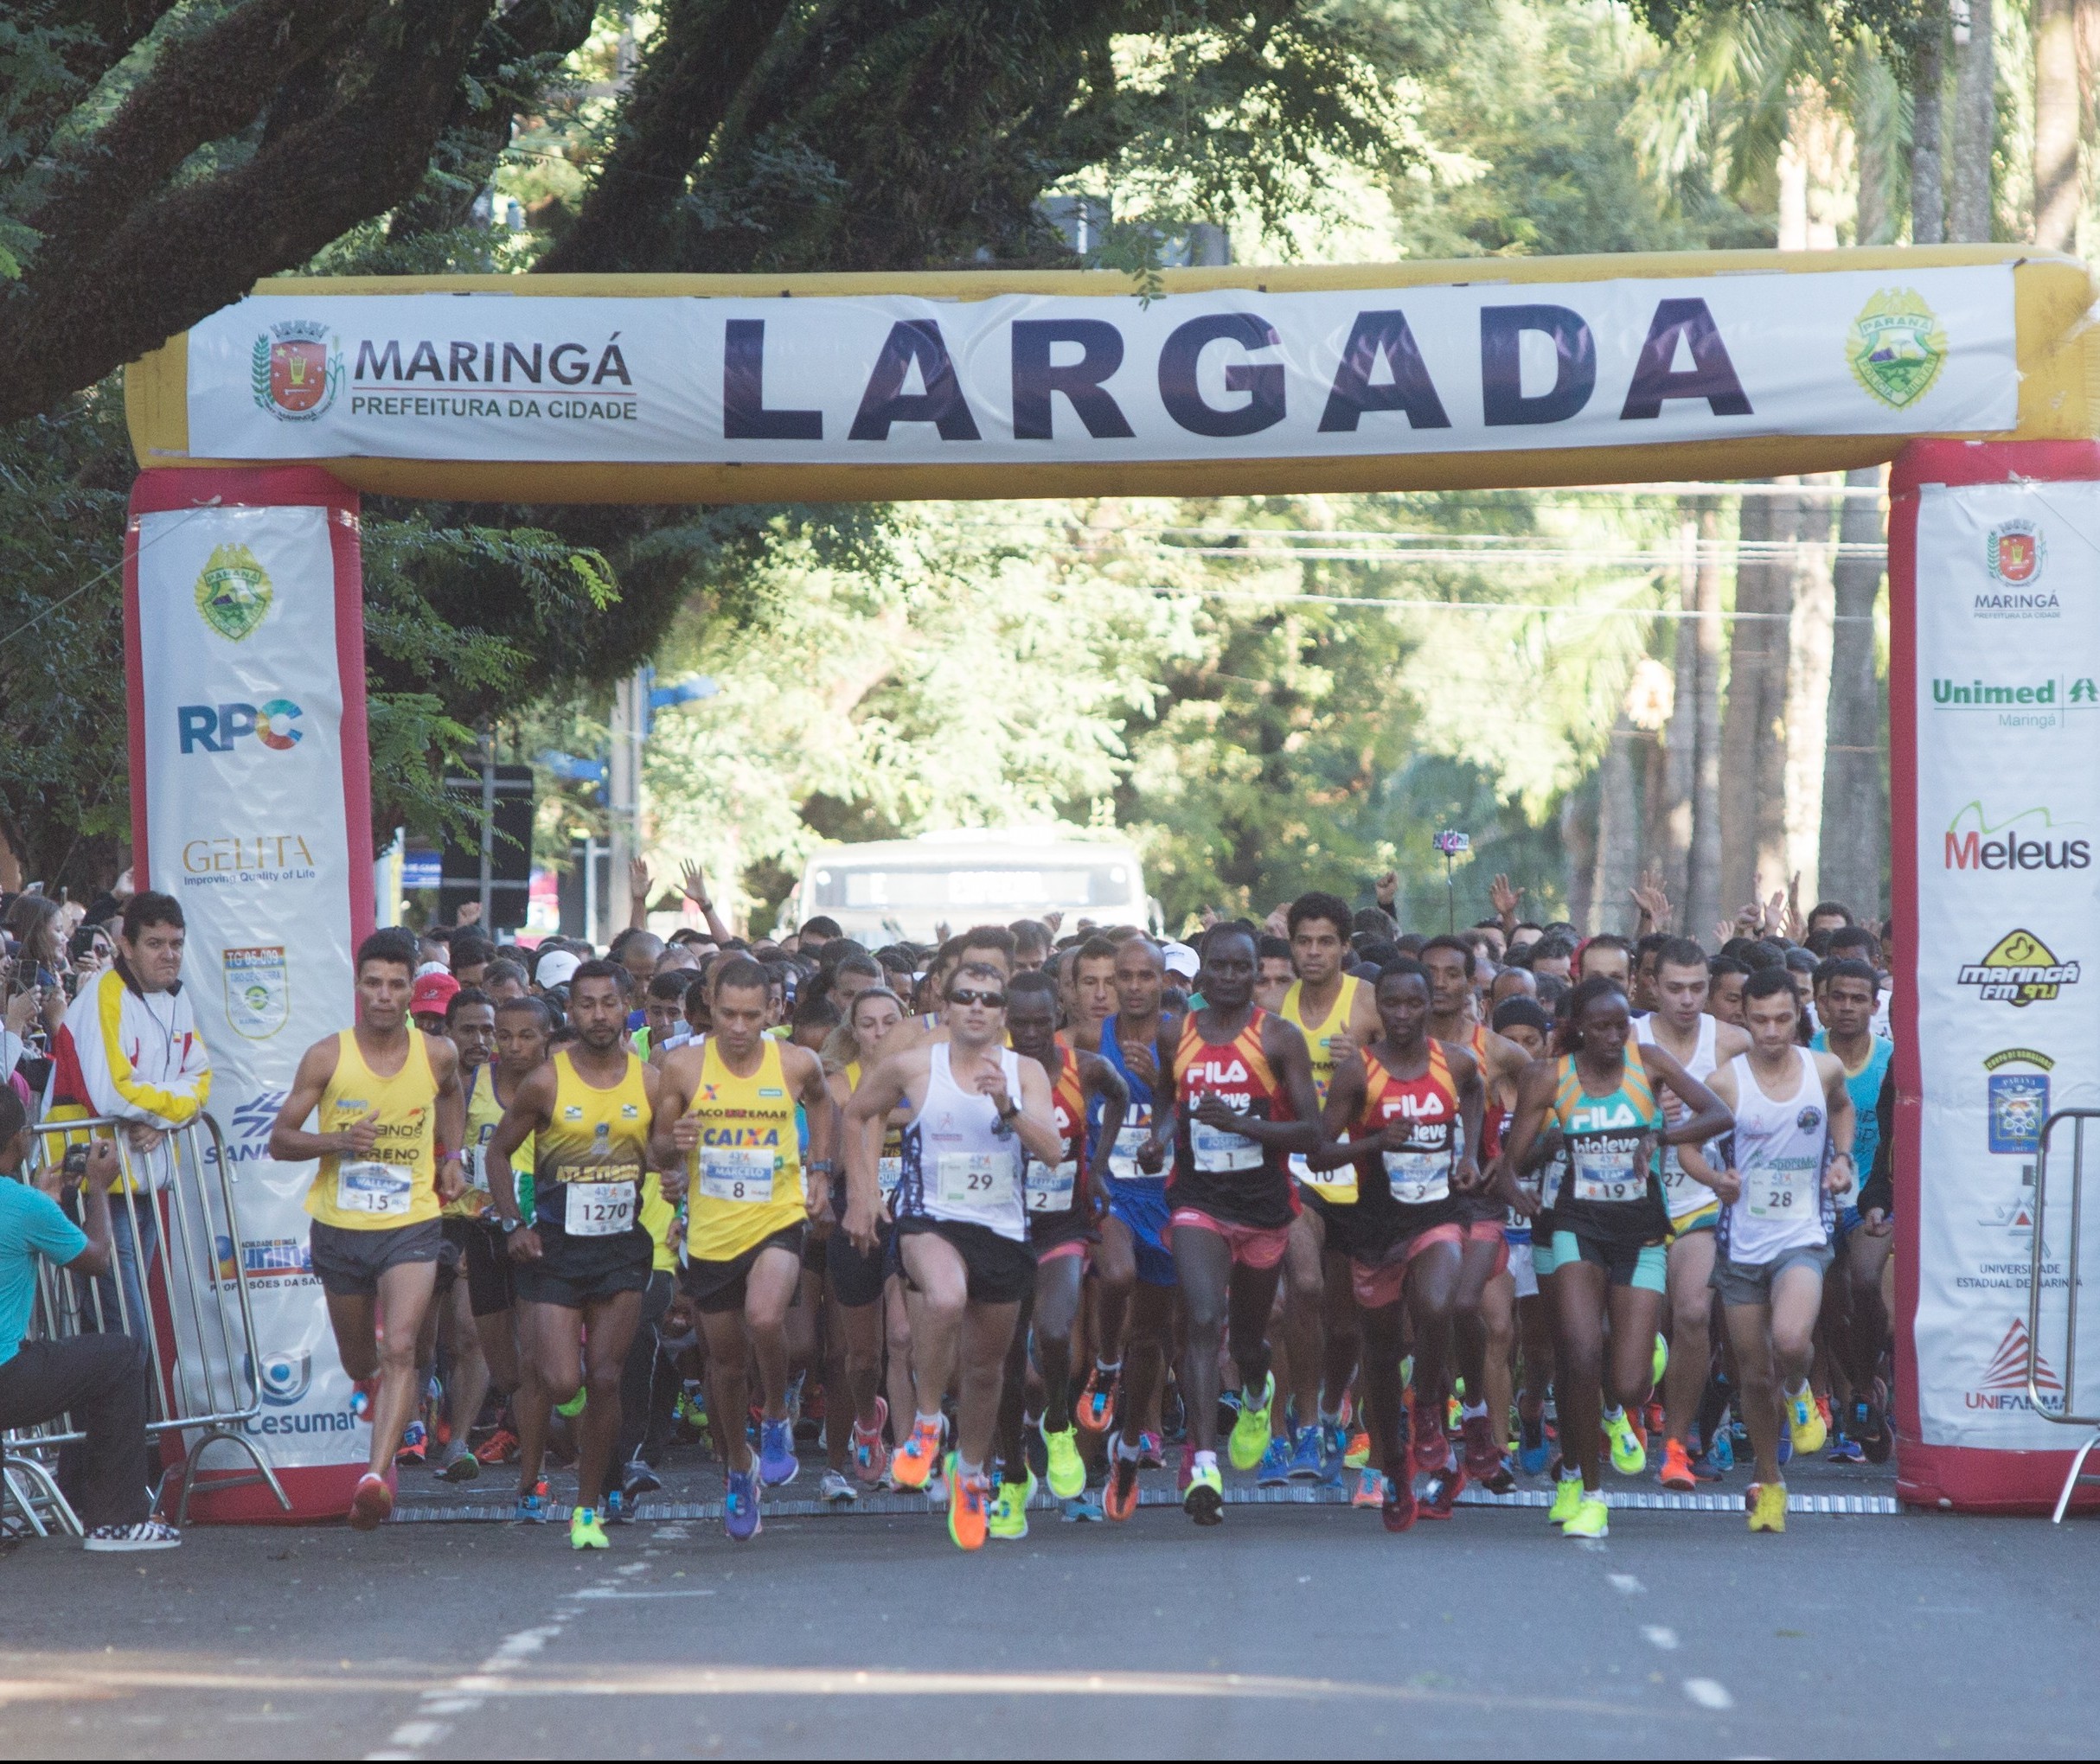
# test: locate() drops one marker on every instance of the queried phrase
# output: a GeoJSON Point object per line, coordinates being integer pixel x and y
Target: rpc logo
{"type": "Point", "coordinates": [216, 728]}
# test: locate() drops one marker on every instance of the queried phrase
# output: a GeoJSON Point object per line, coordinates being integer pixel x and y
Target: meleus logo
{"type": "Point", "coordinates": [1897, 348]}
{"type": "Point", "coordinates": [216, 728]}
{"type": "Point", "coordinates": [2026, 839]}
{"type": "Point", "coordinates": [234, 592]}
{"type": "Point", "coordinates": [2020, 971]}
{"type": "Point", "coordinates": [296, 370]}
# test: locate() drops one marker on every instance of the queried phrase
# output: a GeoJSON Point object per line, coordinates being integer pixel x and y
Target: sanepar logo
{"type": "Point", "coordinates": [216, 728]}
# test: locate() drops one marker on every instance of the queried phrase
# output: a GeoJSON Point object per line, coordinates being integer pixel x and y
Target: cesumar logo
{"type": "Point", "coordinates": [216, 728]}
{"type": "Point", "coordinates": [2020, 969]}
{"type": "Point", "coordinates": [283, 1379]}
{"type": "Point", "coordinates": [296, 370]}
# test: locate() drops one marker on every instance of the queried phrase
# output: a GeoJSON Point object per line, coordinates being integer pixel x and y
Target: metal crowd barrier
{"type": "Point", "coordinates": [2062, 1412]}
{"type": "Point", "coordinates": [177, 1280]}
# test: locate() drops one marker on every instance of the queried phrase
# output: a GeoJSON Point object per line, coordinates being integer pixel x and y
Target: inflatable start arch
{"type": "Point", "coordinates": [1973, 368]}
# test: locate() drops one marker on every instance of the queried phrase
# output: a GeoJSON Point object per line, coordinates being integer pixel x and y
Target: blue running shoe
{"type": "Point", "coordinates": [615, 1511]}
{"type": "Point", "coordinates": [1532, 1451]}
{"type": "Point", "coordinates": [1083, 1510]}
{"type": "Point", "coordinates": [1334, 1446]}
{"type": "Point", "coordinates": [1723, 1450]}
{"type": "Point", "coordinates": [776, 1463]}
{"type": "Point", "coordinates": [1845, 1449]}
{"type": "Point", "coordinates": [532, 1507]}
{"type": "Point", "coordinates": [740, 1505]}
{"type": "Point", "coordinates": [1786, 1450]}
{"type": "Point", "coordinates": [1274, 1470]}
{"type": "Point", "coordinates": [1309, 1462]}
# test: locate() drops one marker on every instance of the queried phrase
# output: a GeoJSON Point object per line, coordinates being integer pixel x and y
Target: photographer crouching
{"type": "Point", "coordinates": [97, 1380]}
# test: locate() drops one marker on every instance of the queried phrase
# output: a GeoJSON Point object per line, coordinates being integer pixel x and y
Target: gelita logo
{"type": "Point", "coordinates": [2029, 838]}
{"type": "Point", "coordinates": [217, 728]}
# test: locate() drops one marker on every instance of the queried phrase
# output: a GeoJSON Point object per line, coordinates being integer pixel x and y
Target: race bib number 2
{"type": "Point", "coordinates": [1052, 1190]}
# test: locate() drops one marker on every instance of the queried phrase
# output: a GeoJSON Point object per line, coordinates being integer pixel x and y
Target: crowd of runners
{"type": "Point", "coordinates": [1340, 1206]}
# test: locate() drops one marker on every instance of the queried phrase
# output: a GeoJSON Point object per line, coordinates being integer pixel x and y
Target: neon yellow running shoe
{"type": "Point", "coordinates": [1010, 1514]}
{"type": "Point", "coordinates": [1251, 1431]}
{"type": "Point", "coordinates": [584, 1531]}
{"type": "Point", "coordinates": [1592, 1518]}
{"type": "Point", "coordinates": [1567, 1496]}
{"type": "Point", "coordinates": [1203, 1500]}
{"type": "Point", "coordinates": [1805, 1422]}
{"type": "Point", "coordinates": [1662, 1361]}
{"type": "Point", "coordinates": [1767, 1505]}
{"type": "Point", "coordinates": [1067, 1473]}
{"type": "Point", "coordinates": [1629, 1449]}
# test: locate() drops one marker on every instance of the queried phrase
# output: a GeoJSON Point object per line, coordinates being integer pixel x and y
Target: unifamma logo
{"type": "Point", "coordinates": [2004, 1385]}
{"type": "Point", "coordinates": [2020, 969]}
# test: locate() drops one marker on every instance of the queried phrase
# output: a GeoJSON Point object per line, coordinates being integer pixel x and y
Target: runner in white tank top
{"type": "Point", "coordinates": [1790, 1159]}
{"type": "Point", "coordinates": [962, 1163]}
{"type": "Point", "coordinates": [1702, 1043]}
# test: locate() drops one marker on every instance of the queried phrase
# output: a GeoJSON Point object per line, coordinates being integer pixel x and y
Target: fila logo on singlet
{"type": "Point", "coordinates": [1430, 1107]}
{"type": "Point", "coordinates": [1598, 1118]}
{"type": "Point", "coordinates": [1212, 1071]}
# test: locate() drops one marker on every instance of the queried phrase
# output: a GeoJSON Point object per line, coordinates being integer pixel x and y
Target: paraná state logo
{"type": "Point", "coordinates": [297, 369]}
{"type": "Point", "coordinates": [1897, 348]}
{"type": "Point", "coordinates": [234, 592]}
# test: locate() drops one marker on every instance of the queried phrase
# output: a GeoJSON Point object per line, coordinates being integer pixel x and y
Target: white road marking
{"type": "Point", "coordinates": [1660, 1637]}
{"type": "Point", "coordinates": [1626, 1583]}
{"type": "Point", "coordinates": [418, 1734]}
{"type": "Point", "coordinates": [1708, 1693]}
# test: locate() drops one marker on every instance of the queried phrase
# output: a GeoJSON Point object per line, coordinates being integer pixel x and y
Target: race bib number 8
{"type": "Point", "coordinates": [1051, 1190]}
{"type": "Point", "coordinates": [741, 1175]}
{"type": "Point", "coordinates": [977, 1181]}
{"type": "Point", "coordinates": [1608, 1173]}
{"type": "Point", "coordinates": [383, 1190]}
{"type": "Point", "coordinates": [1214, 1150]}
{"type": "Point", "coordinates": [600, 1209]}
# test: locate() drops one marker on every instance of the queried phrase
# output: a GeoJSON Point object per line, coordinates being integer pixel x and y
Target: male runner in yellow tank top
{"type": "Point", "coordinates": [1336, 1012]}
{"type": "Point", "coordinates": [727, 1109]}
{"type": "Point", "coordinates": [582, 1266]}
{"type": "Point", "coordinates": [392, 1117]}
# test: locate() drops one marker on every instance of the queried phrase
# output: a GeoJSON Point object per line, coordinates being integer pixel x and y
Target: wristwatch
{"type": "Point", "coordinates": [510, 1225]}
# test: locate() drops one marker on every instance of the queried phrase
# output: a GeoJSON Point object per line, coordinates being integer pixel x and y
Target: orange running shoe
{"type": "Point", "coordinates": [500, 1448]}
{"type": "Point", "coordinates": [969, 1503]}
{"type": "Point", "coordinates": [1430, 1441]}
{"type": "Point", "coordinates": [914, 1462]}
{"type": "Point", "coordinates": [1676, 1472]}
{"type": "Point", "coordinates": [1119, 1498]}
{"type": "Point", "coordinates": [1097, 1404]}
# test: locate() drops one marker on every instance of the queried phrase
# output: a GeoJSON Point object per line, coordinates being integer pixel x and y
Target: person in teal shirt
{"type": "Point", "coordinates": [99, 1382]}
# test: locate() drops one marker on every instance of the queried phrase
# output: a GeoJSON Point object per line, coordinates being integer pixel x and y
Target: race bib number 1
{"type": "Point", "coordinates": [1215, 1150]}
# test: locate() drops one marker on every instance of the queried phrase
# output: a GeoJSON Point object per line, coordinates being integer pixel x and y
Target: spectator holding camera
{"type": "Point", "coordinates": [99, 1381]}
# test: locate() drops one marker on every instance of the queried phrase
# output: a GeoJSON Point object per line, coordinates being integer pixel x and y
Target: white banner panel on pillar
{"type": "Point", "coordinates": [1228, 374]}
{"type": "Point", "coordinates": [2006, 695]}
{"type": "Point", "coordinates": [244, 723]}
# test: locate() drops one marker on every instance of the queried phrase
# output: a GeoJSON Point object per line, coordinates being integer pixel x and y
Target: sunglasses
{"type": "Point", "coordinates": [991, 1001]}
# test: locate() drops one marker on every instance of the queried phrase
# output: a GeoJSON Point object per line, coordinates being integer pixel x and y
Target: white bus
{"type": "Point", "coordinates": [895, 890]}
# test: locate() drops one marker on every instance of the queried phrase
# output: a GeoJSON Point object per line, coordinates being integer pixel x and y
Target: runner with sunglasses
{"type": "Point", "coordinates": [978, 1111]}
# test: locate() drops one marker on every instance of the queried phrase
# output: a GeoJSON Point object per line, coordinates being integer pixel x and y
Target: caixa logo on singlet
{"type": "Point", "coordinates": [220, 728]}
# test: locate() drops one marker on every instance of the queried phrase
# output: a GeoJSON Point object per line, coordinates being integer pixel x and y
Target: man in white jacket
{"type": "Point", "coordinates": [130, 1048]}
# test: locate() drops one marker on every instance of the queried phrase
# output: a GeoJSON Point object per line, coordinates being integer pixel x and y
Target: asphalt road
{"type": "Point", "coordinates": [1288, 1629]}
